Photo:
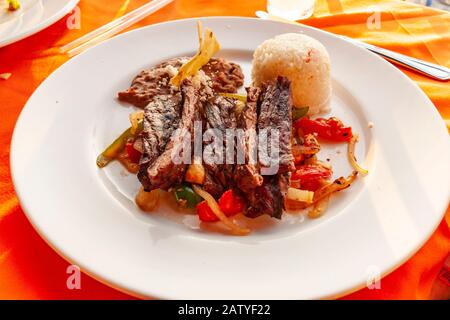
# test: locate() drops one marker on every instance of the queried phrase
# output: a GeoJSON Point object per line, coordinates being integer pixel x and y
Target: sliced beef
{"type": "Point", "coordinates": [162, 118]}
{"type": "Point", "coordinates": [219, 115]}
{"type": "Point", "coordinates": [225, 76]}
{"type": "Point", "coordinates": [269, 198]}
{"type": "Point", "coordinates": [274, 110]}
{"type": "Point", "coordinates": [247, 175]}
{"type": "Point", "coordinates": [164, 173]}
{"type": "Point", "coordinates": [212, 185]}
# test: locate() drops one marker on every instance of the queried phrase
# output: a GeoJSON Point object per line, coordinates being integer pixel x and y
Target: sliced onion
{"type": "Point", "coordinates": [337, 185]}
{"type": "Point", "coordinates": [212, 203]}
{"type": "Point", "coordinates": [240, 97]}
{"type": "Point", "coordinates": [319, 208]}
{"type": "Point", "coordinates": [300, 195]}
{"type": "Point", "coordinates": [293, 205]}
{"type": "Point", "coordinates": [208, 47]}
{"type": "Point", "coordinates": [351, 155]}
{"type": "Point", "coordinates": [135, 118]}
{"type": "Point", "coordinates": [148, 201]}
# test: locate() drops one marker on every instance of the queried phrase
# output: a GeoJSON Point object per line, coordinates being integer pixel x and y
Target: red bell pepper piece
{"type": "Point", "coordinates": [205, 213]}
{"type": "Point", "coordinates": [311, 176]}
{"type": "Point", "coordinates": [331, 129]}
{"type": "Point", "coordinates": [133, 154]}
{"type": "Point", "coordinates": [230, 204]}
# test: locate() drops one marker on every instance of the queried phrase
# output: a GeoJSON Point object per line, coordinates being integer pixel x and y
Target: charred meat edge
{"type": "Point", "coordinates": [219, 114]}
{"type": "Point", "coordinates": [247, 174]}
{"type": "Point", "coordinates": [275, 111]}
{"type": "Point", "coordinates": [163, 173]}
{"type": "Point", "coordinates": [161, 119]}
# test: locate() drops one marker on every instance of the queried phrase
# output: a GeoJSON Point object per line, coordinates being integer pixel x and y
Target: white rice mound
{"type": "Point", "coordinates": [301, 59]}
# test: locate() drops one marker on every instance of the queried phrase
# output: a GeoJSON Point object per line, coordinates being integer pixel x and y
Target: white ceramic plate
{"type": "Point", "coordinates": [89, 217]}
{"type": "Point", "coordinates": [32, 17]}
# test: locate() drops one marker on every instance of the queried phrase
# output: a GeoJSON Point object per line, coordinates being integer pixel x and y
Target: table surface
{"type": "Point", "coordinates": [30, 269]}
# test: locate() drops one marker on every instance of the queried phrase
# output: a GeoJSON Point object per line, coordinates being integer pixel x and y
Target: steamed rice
{"type": "Point", "coordinates": [301, 59]}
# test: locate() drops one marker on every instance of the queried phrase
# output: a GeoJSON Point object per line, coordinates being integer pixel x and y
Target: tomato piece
{"type": "Point", "coordinates": [205, 213]}
{"type": "Point", "coordinates": [311, 185]}
{"type": "Point", "coordinates": [311, 176]}
{"type": "Point", "coordinates": [331, 129]}
{"type": "Point", "coordinates": [230, 203]}
{"type": "Point", "coordinates": [298, 158]}
{"type": "Point", "coordinates": [133, 154]}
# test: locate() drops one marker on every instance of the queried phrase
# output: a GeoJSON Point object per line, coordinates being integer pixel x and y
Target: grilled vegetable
{"type": "Point", "coordinates": [148, 201]}
{"type": "Point", "coordinates": [212, 203]}
{"type": "Point", "coordinates": [135, 119]}
{"type": "Point", "coordinates": [337, 185]}
{"type": "Point", "coordinates": [115, 148]}
{"type": "Point", "coordinates": [300, 195]}
{"type": "Point", "coordinates": [298, 113]}
{"type": "Point", "coordinates": [133, 154]}
{"type": "Point", "coordinates": [352, 158]}
{"type": "Point", "coordinates": [230, 203]}
{"type": "Point", "coordinates": [240, 97]}
{"type": "Point", "coordinates": [319, 208]}
{"type": "Point", "coordinates": [186, 196]}
{"type": "Point", "coordinates": [309, 147]}
{"type": "Point", "coordinates": [311, 177]}
{"type": "Point", "coordinates": [195, 173]}
{"type": "Point", "coordinates": [208, 47]}
{"type": "Point", "coordinates": [331, 129]}
{"type": "Point", "coordinates": [205, 213]}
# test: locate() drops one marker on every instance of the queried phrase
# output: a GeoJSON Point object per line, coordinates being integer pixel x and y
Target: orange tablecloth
{"type": "Point", "coordinates": [29, 269]}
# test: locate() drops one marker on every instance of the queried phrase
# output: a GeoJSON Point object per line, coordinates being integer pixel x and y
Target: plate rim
{"type": "Point", "coordinates": [115, 284]}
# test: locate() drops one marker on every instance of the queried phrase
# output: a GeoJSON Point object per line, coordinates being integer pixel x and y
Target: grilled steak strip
{"type": "Point", "coordinates": [247, 176]}
{"type": "Point", "coordinates": [163, 173]}
{"type": "Point", "coordinates": [269, 198]}
{"type": "Point", "coordinates": [161, 119]}
{"type": "Point", "coordinates": [275, 112]}
{"type": "Point", "coordinates": [219, 113]}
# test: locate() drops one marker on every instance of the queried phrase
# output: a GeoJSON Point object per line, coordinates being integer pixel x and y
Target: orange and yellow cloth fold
{"type": "Point", "coordinates": [30, 269]}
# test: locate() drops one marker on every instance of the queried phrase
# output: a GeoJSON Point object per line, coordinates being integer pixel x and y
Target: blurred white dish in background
{"type": "Point", "coordinates": [32, 17]}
